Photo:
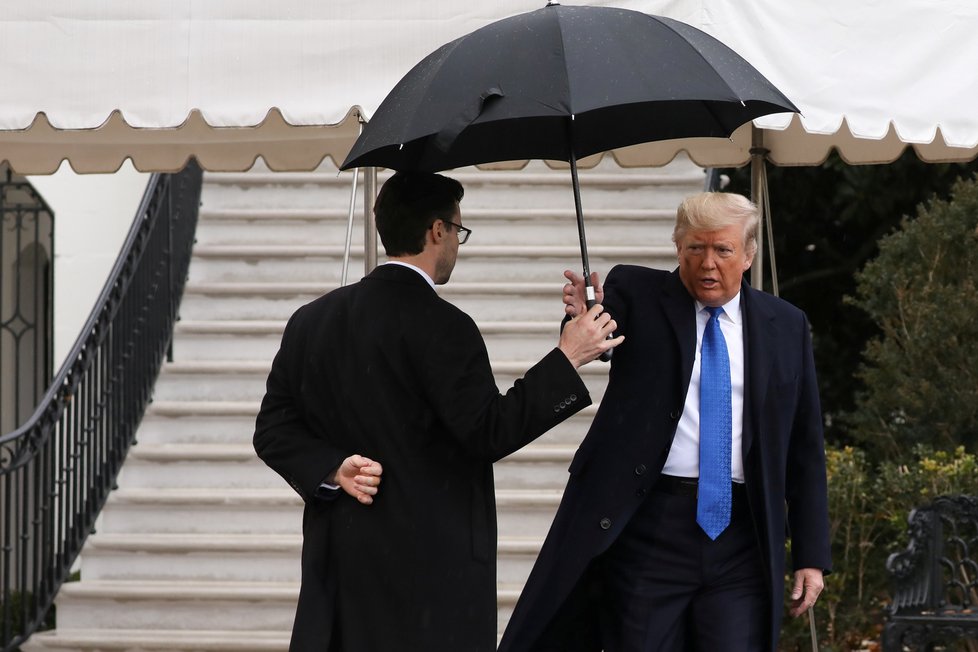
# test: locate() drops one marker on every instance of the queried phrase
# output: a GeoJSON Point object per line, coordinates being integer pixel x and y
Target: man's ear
{"type": "Point", "coordinates": [749, 261]}
{"type": "Point", "coordinates": [437, 231]}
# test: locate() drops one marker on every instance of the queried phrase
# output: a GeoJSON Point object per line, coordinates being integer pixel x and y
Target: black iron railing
{"type": "Point", "coordinates": [57, 470]}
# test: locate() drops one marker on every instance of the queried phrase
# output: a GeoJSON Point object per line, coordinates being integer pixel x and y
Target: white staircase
{"type": "Point", "coordinates": [198, 549]}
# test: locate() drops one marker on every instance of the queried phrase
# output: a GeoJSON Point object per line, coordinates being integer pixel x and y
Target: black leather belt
{"type": "Point", "coordinates": [672, 484]}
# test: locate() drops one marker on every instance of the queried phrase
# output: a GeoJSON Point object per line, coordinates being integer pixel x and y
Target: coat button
{"type": "Point", "coordinates": [605, 523]}
{"type": "Point", "coordinates": [640, 492]}
{"type": "Point", "coordinates": [640, 469]}
{"type": "Point", "coordinates": [675, 414]}
{"type": "Point", "coordinates": [573, 397]}
{"type": "Point", "coordinates": [556, 408]}
{"type": "Point", "coordinates": [563, 404]}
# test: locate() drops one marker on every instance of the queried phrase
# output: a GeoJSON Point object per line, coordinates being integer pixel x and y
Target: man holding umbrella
{"type": "Point", "coordinates": [671, 532]}
{"type": "Point", "coordinates": [387, 368]}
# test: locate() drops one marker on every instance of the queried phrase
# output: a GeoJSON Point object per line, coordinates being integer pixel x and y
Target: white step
{"type": "Point", "coordinates": [476, 263]}
{"type": "Point", "coordinates": [181, 557]}
{"type": "Point", "coordinates": [516, 555]}
{"type": "Point", "coordinates": [521, 512]}
{"type": "Point", "coordinates": [159, 640]}
{"type": "Point", "coordinates": [260, 340]}
{"type": "Point", "coordinates": [214, 467]}
{"type": "Point", "coordinates": [210, 467]}
{"type": "Point", "coordinates": [228, 422]}
{"type": "Point", "coordinates": [233, 611]}
{"type": "Point", "coordinates": [536, 185]}
{"type": "Point", "coordinates": [192, 511]}
{"type": "Point", "coordinates": [233, 380]}
{"type": "Point", "coordinates": [499, 226]}
{"type": "Point", "coordinates": [216, 422]}
{"type": "Point", "coordinates": [253, 558]}
{"type": "Point", "coordinates": [483, 301]}
{"type": "Point", "coordinates": [243, 606]}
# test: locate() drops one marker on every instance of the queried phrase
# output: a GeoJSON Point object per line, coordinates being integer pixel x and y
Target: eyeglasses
{"type": "Point", "coordinates": [463, 233]}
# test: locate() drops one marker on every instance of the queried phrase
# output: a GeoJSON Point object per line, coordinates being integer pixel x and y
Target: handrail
{"type": "Point", "coordinates": [56, 470]}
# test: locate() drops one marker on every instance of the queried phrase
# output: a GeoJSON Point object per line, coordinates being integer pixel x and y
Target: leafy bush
{"type": "Point", "coordinates": [868, 509]}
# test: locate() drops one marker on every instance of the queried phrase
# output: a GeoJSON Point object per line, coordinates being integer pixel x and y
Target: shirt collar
{"type": "Point", "coordinates": [423, 273]}
{"type": "Point", "coordinates": [731, 309]}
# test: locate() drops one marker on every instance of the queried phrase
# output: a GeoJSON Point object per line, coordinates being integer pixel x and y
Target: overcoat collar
{"type": "Point", "coordinates": [398, 274]}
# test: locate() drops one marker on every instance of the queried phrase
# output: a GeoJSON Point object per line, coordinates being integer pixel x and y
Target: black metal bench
{"type": "Point", "coordinates": [936, 578]}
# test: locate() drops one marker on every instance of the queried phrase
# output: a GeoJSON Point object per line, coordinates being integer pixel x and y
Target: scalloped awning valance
{"type": "Point", "coordinates": [227, 81]}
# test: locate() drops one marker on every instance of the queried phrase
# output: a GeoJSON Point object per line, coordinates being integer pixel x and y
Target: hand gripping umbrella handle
{"type": "Point", "coordinates": [590, 301]}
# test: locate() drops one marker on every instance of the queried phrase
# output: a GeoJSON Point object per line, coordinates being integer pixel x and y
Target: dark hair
{"type": "Point", "coordinates": [408, 204]}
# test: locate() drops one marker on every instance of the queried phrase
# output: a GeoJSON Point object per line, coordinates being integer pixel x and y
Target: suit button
{"type": "Point", "coordinates": [563, 404]}
{"type": "Point", "coordinates": [573, 397]}
{"type": "Point", "coordinates": [640, 469]}
{"type": "Point", "coordinates": [556, 408]}
{"type": "Point", "coordinates": [640, 492]}
{"type": "Point", "coordinates": [605, 523]}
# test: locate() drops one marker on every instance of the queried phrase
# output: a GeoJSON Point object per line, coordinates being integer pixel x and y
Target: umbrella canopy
{"type": "Point", "coordinates": [561, 83]}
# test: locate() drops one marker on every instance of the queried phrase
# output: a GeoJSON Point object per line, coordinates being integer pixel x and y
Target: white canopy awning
{"type": "Point", "coordinates": [227, 81]}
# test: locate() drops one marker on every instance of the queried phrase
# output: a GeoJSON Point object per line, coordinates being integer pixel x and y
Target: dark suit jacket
{"type": "Point", "coordinates": [627, 445]}
{"type": "Point", "coordinates": [387, 369]}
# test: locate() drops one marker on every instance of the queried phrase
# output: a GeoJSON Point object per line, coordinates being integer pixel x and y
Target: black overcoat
{"type": "Point", "coordinates": [624, 451]}
{"type": "Point", "coordinates": [388, 369]}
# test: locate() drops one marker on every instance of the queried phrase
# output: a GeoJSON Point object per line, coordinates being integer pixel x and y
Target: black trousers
{"type": "Point", "coordinates": [667, 587]}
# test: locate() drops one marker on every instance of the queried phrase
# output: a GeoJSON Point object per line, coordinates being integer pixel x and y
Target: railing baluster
{"type": "Point", "coordinates": [57, 469]}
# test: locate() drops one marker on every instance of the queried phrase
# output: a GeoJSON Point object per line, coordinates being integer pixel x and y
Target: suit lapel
{"type": "Point", "coordinates": [759, 333]}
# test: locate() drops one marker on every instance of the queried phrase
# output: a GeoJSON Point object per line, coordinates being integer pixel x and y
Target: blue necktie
{"type": "Point", "coordinates": [714, 494]}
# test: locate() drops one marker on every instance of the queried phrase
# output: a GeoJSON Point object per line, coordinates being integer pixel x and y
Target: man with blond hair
{"type": "Point", "coordinates": [705, 452]}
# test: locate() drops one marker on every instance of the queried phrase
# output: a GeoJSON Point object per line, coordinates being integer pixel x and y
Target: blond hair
{"type": "Point", "coordinates": [711, 211]}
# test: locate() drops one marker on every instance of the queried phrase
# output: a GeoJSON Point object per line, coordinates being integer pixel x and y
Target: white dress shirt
{"type": "Point", "coordinates": [684, 456]}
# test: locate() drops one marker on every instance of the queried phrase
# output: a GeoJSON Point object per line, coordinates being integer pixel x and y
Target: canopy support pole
{"type": "Point", "coordinates": [369, 223]}
{"type": "Point", "coordinates": [349, 226]}
{"type": "Point", "coordinates": [760, 196]}
{"type": "Point", "coordinates": [757, 153]}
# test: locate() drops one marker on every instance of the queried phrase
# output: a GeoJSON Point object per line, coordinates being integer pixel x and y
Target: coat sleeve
{"type": "Point", "coordinates": [616, 297]}
{"type": "Point", "coordinates": [282, 437]}
{"type": "Point", "coordinates": [805, 483]}
{"type": "Point", "coordinates": [458, 383]}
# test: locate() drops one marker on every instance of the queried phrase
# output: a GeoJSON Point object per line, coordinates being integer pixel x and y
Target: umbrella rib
{"type": "Point", "coordinates": [708, 63]}
{"type": "Point", "coordinates": [571, 149]}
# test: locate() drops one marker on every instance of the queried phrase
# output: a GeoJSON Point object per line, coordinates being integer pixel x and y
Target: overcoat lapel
{"type": "Point", "coordinates": [680, 310]}
{"type": "Point", "coordinates": [759, 334]}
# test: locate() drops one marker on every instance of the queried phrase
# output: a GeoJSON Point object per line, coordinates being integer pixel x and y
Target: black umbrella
{"type": "Point", "coordinates": [561, 83]}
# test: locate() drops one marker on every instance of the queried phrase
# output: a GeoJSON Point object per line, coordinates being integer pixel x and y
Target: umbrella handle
{"type": "Point", "coordinates": [589, 302]}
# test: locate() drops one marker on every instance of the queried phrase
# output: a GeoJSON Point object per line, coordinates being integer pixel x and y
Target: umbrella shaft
{"type": "Point", "coordinates": [580, 227]}
{"type": "Point", "coordinates": [588, 288]}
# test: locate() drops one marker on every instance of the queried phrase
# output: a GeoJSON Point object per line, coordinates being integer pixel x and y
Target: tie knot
{"type": "Point", "coordinates": [715, 312]}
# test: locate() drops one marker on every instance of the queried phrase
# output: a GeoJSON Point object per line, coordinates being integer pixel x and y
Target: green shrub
{"type": "Point", "coordinates": [868, 509]}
